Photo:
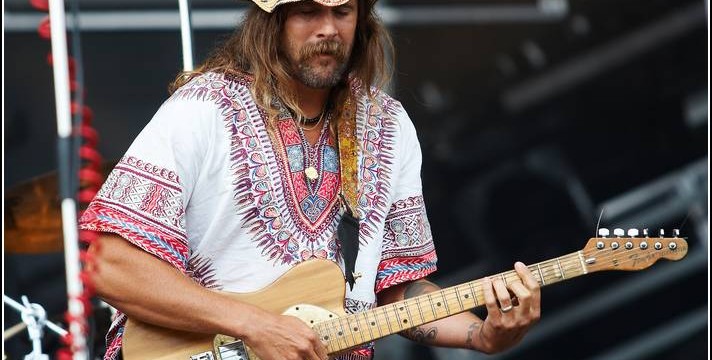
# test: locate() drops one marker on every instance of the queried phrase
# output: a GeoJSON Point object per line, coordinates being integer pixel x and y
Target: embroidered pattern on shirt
{"type": "Point", "coordinates": [408, 252]}
{"type": "Point", "coordinates": [376, 127]}
{"type": "Point", "coordinates": [142, 203]}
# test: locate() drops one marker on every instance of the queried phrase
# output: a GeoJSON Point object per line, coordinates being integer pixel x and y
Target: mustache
{"type": "Point", "coordinates": [325, 47]}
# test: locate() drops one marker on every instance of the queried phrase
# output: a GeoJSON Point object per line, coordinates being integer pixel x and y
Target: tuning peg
{"type": "Point", "coordinates": [618, 232]}
{"type": "Point", "coordinates": [603, 232]}
{"type": "Point", "coordinates": [662, 232]}
{"type": "Point", "coordinates": [632, 232]}
{"type": "Point", "coordinates": [645, 232]}
{"type": "Point", "coordinates": [676, 232]}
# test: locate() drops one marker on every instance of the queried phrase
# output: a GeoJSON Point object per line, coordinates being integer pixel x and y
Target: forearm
{"type": "Point", "coordinates": [150, 290]}
{"type": "Point", "coordinates": [461, 330]}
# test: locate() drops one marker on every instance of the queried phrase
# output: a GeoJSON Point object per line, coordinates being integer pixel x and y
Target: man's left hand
{"type": "Point", "coordinates": [509, 318]}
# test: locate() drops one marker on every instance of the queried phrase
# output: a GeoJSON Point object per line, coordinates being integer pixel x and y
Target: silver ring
{"type": "Point", "coordinates": [506, 309]}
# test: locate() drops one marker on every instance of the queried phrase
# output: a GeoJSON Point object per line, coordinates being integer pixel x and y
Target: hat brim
{"type": "Point", "coordinates": [270, 5]}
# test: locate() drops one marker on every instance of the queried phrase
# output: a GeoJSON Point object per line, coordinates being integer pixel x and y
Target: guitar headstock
{"type": "Point", "coordinates": [631, 252]}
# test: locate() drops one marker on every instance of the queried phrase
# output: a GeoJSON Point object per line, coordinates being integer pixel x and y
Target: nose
{"type": "Point", "coordinates": [327, 26]}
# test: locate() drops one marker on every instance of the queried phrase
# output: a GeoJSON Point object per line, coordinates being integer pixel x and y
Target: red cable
{"type": "Point", "coordinates": [41, 5]}
{"type": "Point", "coordinates": [90, 180]}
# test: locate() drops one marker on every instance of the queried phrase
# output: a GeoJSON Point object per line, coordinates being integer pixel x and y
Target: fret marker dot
{"type": "Point", "coordinates": [373, 323]}
{"type": "Point", "coordinates": [467, 296]}
{"type": "Point", "coordinates": [340, 333]}
{"type": "Point", "coordinates": [355, 329]}
{"type": "Point", "coordinates": [405, 321]}
{"type": "Point", "coordinates": [438, 304]}
{"type": "Point", "coordinates": [401, 308]}
{"type": "Point", "coordinates": [326, 337]}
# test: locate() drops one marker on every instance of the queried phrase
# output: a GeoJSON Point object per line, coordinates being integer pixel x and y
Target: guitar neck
{"type": "Point", "coordinates": [355, 329]}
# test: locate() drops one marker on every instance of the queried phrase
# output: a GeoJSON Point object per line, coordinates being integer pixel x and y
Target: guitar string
{"type": "Point", "coordinates": [382, 315]}
{"type": "Point", "coordinates": [445, 294]}
{"type": "Point", "coordinates": [570, 262]}
{"type": "Point", "coordinates": [570, 259]}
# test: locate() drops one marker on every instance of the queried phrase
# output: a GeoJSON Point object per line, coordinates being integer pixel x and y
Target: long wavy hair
{"type": "Point", "coordinates": [255, 49]}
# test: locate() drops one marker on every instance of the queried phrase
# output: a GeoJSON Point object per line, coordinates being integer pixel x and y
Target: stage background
{"type": "Point", "coordinates": [532, 117]}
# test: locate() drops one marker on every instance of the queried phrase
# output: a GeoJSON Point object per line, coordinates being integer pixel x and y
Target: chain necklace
{"type": "Point", "coordinates": [311, 152]}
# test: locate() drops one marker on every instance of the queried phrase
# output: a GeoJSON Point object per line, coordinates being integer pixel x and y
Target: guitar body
{"type": "Point", "coordinates": [318, 284]}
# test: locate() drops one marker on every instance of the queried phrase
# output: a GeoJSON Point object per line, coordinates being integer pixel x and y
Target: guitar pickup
{"type": "Point", "coordinates": [233, 350]}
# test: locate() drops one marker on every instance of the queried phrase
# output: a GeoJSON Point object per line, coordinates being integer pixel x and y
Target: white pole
{"type": "Point", "coordinates": [61, 68]}
{"type": "Point", "coordinates": [69, 208]}
{"type": "Point", "coordinates": [186, 34]}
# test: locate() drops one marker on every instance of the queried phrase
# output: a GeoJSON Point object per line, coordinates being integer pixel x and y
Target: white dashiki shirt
{"type": "Point", "coordinates": [206, 188]}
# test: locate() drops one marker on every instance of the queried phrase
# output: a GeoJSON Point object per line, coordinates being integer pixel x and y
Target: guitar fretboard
{"type": "Point", "coordinates": [355, 329]}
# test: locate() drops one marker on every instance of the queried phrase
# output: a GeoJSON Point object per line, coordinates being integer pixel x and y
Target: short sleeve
{"type": "Point", "coordinates": [408, 252]}
{"type": "Point", "coordinates": [144, 198]}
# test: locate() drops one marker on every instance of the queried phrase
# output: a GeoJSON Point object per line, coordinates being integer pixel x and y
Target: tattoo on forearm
{"type": "Point", "coordinates": [470, 331]}
{"type": "Point", "coordinates": [421, 334]}
{"type": "Point", "coordinates": [419, 287]}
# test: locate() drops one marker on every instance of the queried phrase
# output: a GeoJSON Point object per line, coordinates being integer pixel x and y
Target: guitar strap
{"type": "Point", "coordinates": [348, 229]}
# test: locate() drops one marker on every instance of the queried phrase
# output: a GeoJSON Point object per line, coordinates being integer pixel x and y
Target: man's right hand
{"type": "Point", "coordinates": [276, 337]}
{"type": "Point", "coordinates": [151, 290]}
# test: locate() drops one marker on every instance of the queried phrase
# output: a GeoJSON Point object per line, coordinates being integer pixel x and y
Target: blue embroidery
{"type": "Point", "coordinates": [331, 159]}
{"type": "Point", "coordinates": [295, 157]}
{"type": "Point", "coordinates": [313, 206]}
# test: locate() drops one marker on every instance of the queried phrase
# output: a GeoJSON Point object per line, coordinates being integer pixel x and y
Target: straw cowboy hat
{"type": "Point", "coordinates": [270, 5]}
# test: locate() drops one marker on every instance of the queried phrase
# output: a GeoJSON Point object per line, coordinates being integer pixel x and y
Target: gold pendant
{"type": "Point", "coordinates": [311, 173]}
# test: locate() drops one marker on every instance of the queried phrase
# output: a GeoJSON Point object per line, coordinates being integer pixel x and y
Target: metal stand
{"type": "Point", "coordinates": [35, 318]}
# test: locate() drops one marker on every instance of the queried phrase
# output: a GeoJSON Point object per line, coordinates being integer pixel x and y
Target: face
{"type": "Point", "coordinates": [317, 41]}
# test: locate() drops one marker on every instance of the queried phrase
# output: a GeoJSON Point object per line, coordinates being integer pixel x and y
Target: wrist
{"type": "Point", "coordinates": [483, 343]}
{"type": "Point", "coordinates": [239, 319]}
{"type": "Point", "coordinates": [246, 325]}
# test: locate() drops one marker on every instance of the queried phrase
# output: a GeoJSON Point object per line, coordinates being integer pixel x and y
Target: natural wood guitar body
{"type": "Point", "coordinates": [316, 282]}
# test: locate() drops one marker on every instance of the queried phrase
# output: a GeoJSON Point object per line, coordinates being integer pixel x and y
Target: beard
{"type": "Point", "coordinates": [316, 73]}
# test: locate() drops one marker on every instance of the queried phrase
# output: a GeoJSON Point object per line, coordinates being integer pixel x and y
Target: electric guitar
{"type": "Point", "coordinates": [314, 290]}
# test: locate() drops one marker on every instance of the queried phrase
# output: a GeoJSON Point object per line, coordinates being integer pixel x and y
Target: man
{"type": "Point", "coordinates": [237, 179]}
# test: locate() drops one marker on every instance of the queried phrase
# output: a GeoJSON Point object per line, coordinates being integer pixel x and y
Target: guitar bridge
{"type": "Point", "coordinates": [208, 355]}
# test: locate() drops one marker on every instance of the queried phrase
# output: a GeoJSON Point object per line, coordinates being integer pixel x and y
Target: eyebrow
{"type": "Point", "coordinates": [348, 5]}
{"type": "Point", "coordinates": [312, 4]}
